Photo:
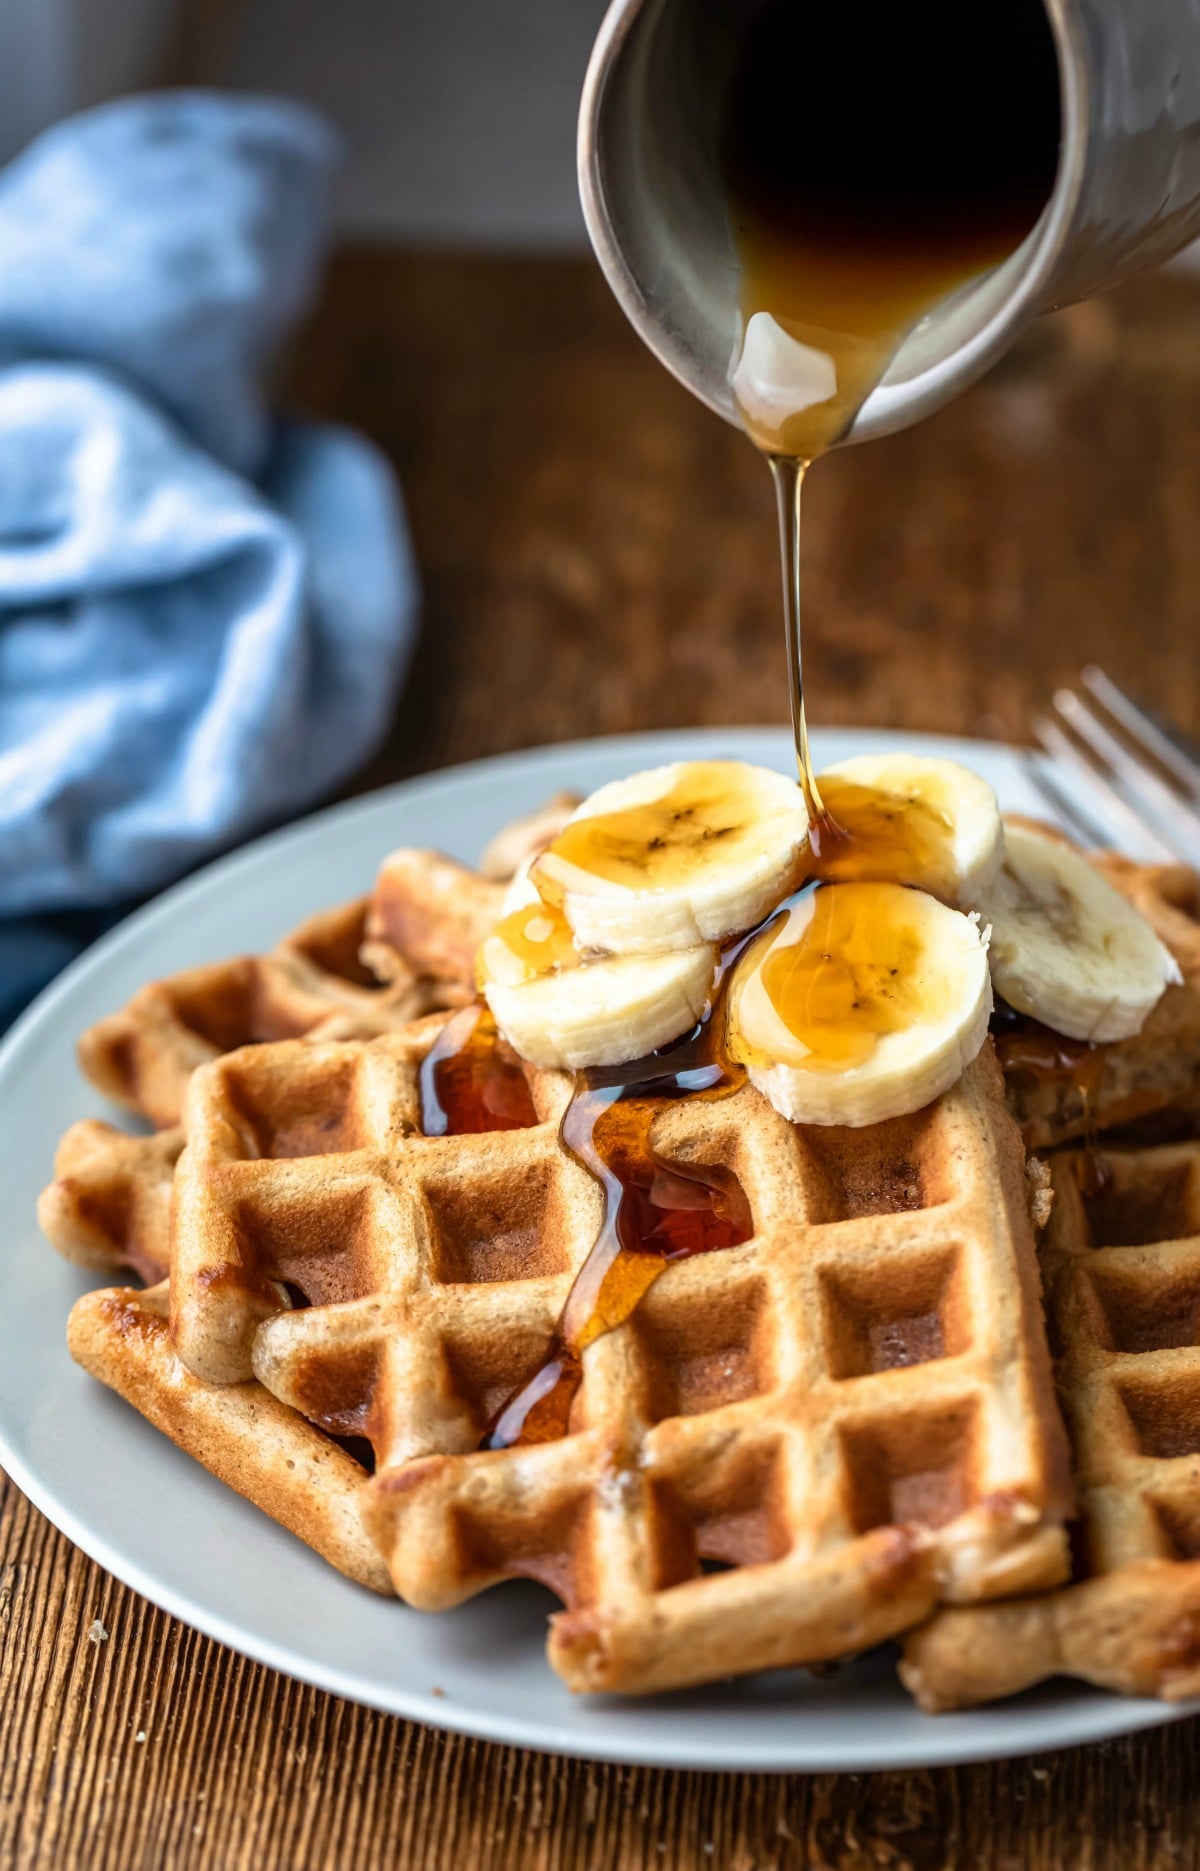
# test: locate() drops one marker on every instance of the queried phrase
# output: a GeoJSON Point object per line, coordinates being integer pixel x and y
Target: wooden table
{"type": "Point", "coordinates": [598, 555]}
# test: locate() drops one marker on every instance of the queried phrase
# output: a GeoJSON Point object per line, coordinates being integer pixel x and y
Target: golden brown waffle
{"type": "Point", "coordinates": [429, 915]}
{"type": "Point", "coordinates": [1158, 1070]}
{"type": "Point", "coordinates": [851, 1412]}
{"type": "Point", "coordinates": [314, 982]}
{"type": "Point", "coordinates": [240, 1433]}
{"type": "Point", "coordinates": [109, 1205]}
{"type": "Point", "coordinates": [1121, 1264]}
{"type": "Point", "coordinates": [365, 968]}
{"type": "Point", "coordinates": [307, 1171]}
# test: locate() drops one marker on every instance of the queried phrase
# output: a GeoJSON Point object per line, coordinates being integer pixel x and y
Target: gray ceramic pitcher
{"type": "Point", "coordinates": [1126, 195]}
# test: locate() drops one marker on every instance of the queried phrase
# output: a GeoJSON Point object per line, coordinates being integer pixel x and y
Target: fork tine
{"type": "Point", "coordinates": [1141, 729]}
{"type": "Point", "coordinates": [1168, 815]}
{"type": "Point", "coordinates": [1071, 814]}
{"type": "Point", "coordinates": [1130, 828]}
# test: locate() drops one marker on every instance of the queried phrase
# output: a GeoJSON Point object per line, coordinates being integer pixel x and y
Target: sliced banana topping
{"type": "Point", "coordinates": [930, 823]}
{"type": "Point", "coordinates": [861, 1002]}
{"type": "Point", "coordinates": [677, 856]}
{"type": "Point", "coordinates": [1066, 948]}
{"type": "Point", "coordinates": [862, 999]}
{"type": "Point", "coordinates": [566, 1009]}
{"type": "Point", "coordinates": [530, 940]}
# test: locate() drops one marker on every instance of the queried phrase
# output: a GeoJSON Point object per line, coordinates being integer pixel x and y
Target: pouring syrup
{"type": "Point", "coordinates": [869, 175]}
{"type": "Point", "coordinates": [861, 191]}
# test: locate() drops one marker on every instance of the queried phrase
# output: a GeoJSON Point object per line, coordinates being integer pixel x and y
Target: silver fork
{"type": "Point", "coordinates": [1113, 777]}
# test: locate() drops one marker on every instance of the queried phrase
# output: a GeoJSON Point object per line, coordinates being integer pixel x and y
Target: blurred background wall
{"type": "Point", "coordinates": [460, 114]}
{"type": "Point", "coordinates": [56, 55]}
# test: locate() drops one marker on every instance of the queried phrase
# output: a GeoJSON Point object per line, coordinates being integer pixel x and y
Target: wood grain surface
{"type": "Point", "coordinates": [598, 555]}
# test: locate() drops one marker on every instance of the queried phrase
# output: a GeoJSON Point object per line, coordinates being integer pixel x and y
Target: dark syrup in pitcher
{"type": "Point", "coordinates": [875, 159]}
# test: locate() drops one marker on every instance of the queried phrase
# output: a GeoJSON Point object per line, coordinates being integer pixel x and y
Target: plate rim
{"type": "Point", "coordinates": [1099, 1715]}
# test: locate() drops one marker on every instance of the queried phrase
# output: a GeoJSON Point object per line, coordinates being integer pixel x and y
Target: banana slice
{"type": "Point", "coordinates": [1066, 947]}
{"type": "Point", "coordinates": [861, 1002]}
{"type": "Point", "coordinates": [521, 887]}
{"type": "Point", "coordinates": [677, 856]}
{"type": "Point", "coordinates": [564, 1009]}
{"type": "Point", "coordinates": [930, 823]}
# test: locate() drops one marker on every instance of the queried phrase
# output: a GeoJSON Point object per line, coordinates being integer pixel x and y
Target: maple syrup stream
{"type": "Point", "coordinates": [851, 221]}
{"type": "Point", "coordinates": [849, 226]}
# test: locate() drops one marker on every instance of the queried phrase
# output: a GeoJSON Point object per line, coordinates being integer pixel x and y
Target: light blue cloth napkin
{"type": "Point", "coordinates": [204, 618]}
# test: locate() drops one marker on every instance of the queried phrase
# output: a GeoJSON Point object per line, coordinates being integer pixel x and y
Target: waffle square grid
{"type": "Point", "coordinates": [312, 982]}
{"type": "Point", "coordinates": [1121, 1263]}
{"type": "Point", "coordinates": [850, 1414]}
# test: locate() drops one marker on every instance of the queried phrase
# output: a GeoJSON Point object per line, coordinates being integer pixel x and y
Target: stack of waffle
{"type": "Point", "coordinates": [840, 1431]}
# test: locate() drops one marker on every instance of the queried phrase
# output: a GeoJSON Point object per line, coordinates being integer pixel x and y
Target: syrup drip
{"type": "Point", "coordinates": [654, 1212]}
{"type": "Point", "coordinates": [1024, 1045]}
{"type": "Point", "coordinates": [539, 938]}
{"type": "Point", "coordinates": [470, 1081]}
{"type": "Point", "coordinates": [1093, 1174]}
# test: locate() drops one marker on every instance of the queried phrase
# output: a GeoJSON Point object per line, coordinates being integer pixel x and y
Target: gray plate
{"type": "Point", "coordinates": [142, 1509]}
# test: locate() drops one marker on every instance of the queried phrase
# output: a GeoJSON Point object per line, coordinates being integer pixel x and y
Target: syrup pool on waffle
{"type": "Point", "coordinates": [1040, 1054]}
{"type": "Point", "coordinates": [655, 1213]}
{"type": "Point", "coordinates": [470, 1081]}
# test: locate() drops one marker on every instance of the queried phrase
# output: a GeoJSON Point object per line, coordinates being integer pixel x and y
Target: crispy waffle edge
{"type": "Point", "coordinates": [241, 1434]}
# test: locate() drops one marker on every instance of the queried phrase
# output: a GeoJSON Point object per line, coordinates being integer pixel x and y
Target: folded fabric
{"type": "Point", "coordinates": [174, 238]}
{"type": "Point", "coordinates": [185, 656]}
